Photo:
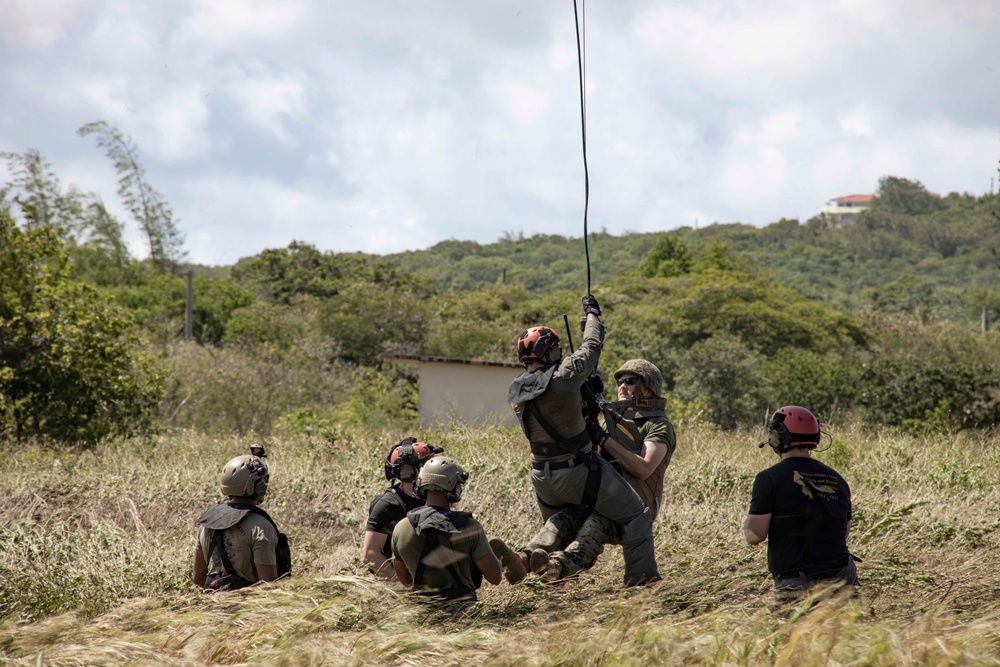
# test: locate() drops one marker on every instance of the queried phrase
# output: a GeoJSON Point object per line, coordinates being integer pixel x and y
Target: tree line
{"type": "Point", "coordinates": [877, 318]}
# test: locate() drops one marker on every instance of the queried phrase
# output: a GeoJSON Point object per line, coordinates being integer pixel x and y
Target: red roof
{"type": "Point", "coordinates": [855, 199]}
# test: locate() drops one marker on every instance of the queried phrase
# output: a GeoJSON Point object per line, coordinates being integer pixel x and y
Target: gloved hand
{"type": "Point", "coordinates": [590, 306]}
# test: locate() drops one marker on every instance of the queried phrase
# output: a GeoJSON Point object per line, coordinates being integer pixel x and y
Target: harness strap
{"type": "Point", "coordinates": [593, 486]}
{"type": "Point", "coordinates": [235, 581]}
{"type": "Point", "coordinates": [562, 445]}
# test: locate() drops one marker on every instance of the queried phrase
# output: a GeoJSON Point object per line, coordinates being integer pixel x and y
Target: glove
{"type": "Point", "coordinates": [590, 306]}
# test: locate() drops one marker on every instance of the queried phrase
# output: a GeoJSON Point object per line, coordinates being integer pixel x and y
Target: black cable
{"type": "Point", "coordinates": [581, 63]}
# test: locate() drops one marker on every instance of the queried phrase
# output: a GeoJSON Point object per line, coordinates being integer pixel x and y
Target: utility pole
{"type": "Point", "coordinates": [189, 307]}
{"type": "Point", "coordinates": [986, 318]}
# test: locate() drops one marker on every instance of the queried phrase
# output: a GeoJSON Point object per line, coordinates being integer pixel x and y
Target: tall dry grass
{"type": "Point", "coordinates": [95, 549]}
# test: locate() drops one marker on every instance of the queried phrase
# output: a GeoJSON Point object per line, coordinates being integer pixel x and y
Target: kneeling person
{"type": "Point", "coordinates": [238, 542]}
{"type": "Point", "coordinates": [802, 508]}
{"type": "Point", "coordinates": [438, 551]}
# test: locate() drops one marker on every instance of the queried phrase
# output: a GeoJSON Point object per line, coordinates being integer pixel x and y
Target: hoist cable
{"type": "Point", "coordinates": [581, 50]}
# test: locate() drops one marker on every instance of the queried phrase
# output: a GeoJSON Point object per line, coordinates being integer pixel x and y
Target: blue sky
{"type": "Point", "coordinates": [381, 126]}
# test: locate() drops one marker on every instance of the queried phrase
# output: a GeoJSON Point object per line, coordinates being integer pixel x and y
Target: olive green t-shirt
{"type": "Point", "coordinates": [654, 429]}
{"type": "Point", "coordinates": [459, 549]}
{"type": "Point", "coordinates": [252, 541]}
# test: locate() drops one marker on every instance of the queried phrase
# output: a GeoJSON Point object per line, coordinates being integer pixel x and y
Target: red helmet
{"type": "Point", "coordinates": [406, 457]}
{"type": "Point", "coordinates": [792, 426]}
{"type": "Point", "coordinates": [535, 343]}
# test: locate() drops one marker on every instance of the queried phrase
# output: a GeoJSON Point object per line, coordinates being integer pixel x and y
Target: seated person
{"type": "Point", "coordinates": [401, 466]}
{"type": "Point", "coordinates": [802, 508]}
{"type": "Point", "coordinates": [438, 551]}
{"type": "Point", "coordinates": [238, 543]}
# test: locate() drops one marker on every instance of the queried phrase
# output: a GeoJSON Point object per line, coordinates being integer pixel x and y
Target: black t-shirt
{"type": "Point", "coordinates": [810, 505]}
{"type": "Point", "coordinates": [387, 510]}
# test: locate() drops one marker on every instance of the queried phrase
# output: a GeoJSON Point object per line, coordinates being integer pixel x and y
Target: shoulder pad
{"type": "Point", "coordinates": [223, 516]}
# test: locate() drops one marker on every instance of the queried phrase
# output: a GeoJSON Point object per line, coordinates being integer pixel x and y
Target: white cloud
{"type": "Point", "coordinates": [221, 21]}
{"type": "Point", "coordinates": [269, 101]}
{"type": "Point", "coordinates": [34, 24]}
{"type": "Point", "coordinates": [746, 44]}
{"type": "Point", "coordinates": [380, 125]}
{"type": "Point", "coordinates": [178, 126]}
{"type": "Point", "coordinates": [526, 104]}
{"type": "Point", "coordinates": [857, 124]}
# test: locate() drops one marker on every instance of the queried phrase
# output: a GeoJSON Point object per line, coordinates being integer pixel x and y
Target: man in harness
{"type": "Point", "coordinates": [238, 542]}
{"type": "Point", "coordinates": [565, 467]}
{"type": "Point", "coordinates": [642, 463]}
{"type": "Point", "coordinates": [386, 510]}
{"type": "Point", "coordinates": [439, 552]}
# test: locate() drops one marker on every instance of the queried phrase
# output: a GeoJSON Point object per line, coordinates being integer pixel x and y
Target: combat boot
{"type": "Point", "coordinates": [515, 563]}
{"type": "Point", "coordinates": [538, 560]}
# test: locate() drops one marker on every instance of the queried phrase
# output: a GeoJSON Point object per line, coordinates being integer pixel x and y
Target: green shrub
{"type": "Point", "coordinates": [932, 378]}
{"type": "Point", "coordinates": [246, 389]}
{"type": "Point", "coordinates": [71, 367]}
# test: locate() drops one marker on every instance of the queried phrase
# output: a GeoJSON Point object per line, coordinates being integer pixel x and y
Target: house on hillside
{"type": "Point", "coordinates": [467, 392]}
{"type": "Point", "coordinates": [842, 210]}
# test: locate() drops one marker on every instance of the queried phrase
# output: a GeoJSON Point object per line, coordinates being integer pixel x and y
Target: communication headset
{"type": "Point", "coordinates": [392, 469]}
{"type": "Point", "coordinates": [259, 476]}
{"type": "Point", "coordinates": [781, 439]}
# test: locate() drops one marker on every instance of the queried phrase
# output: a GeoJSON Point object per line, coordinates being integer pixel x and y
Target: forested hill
{"type": "Point", "coordinates": [879, 316]}
{"type": "Point", "coordinates": [913, 251]}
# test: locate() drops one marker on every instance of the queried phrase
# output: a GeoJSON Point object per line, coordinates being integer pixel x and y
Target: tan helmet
{"type": "Point", "coordinates": [441, 473]}
{"type": "Point", "coordinates": [647, 372]}
{"type": "Point", "coordinates": [245, 477]}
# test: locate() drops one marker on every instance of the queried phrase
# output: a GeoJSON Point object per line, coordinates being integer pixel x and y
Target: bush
{"type": "Point", "coordinates": [932, 377]}
{"type": "Point", "coordinates": [71, 367]}
{"type": "Point", "coordinates": [247, 389]}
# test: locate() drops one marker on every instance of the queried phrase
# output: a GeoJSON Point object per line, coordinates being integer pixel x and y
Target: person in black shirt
{"type": "Point", "coordinates": [385, 511]}
{"type": "Point", "coordinates": [802, 508]}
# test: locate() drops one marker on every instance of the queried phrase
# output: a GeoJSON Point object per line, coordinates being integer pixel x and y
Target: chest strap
{"type": "Point", "coordinates": [562, 445]}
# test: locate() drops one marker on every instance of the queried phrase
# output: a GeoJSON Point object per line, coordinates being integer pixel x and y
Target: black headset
{"type": "Point", "coordinates": [392, 469]}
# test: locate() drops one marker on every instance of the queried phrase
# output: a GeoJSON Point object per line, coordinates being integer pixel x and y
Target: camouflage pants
{"type": "Point", "coordinates": [559, 529]}
{"type": "Point", "coordinates": [575, 537]}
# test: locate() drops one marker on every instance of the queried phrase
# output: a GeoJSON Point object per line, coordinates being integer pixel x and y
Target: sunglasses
{"type": "Point", "coordinates": [631, 382]}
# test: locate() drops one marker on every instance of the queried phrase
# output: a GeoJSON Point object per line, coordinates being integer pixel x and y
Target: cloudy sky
{"type": "Point", "coordinates": [386, 125]}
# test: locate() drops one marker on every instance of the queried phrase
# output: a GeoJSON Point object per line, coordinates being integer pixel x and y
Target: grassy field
{"type": "Point", "coordinates": [95, 551]}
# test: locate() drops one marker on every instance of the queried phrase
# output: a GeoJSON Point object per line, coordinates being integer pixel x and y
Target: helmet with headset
{"type": "Point", "coordinates": [441, 473]}
{"type": "Point", "coordinates": [405, 459]}
{"type": "Point", "coordinates": [537, 344]}
{"type": "Point", "coordinates": [793, 426]}
{"type": "Point", "coordinates": [245, 477]}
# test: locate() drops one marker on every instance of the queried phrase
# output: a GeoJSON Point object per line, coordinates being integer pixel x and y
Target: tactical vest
{"type": "Point", "coordinates": [527, 387]}
{"type": "Point", "coordinates": [432, 540]}
{"type": "Point", "coordinates": [219, 518]}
